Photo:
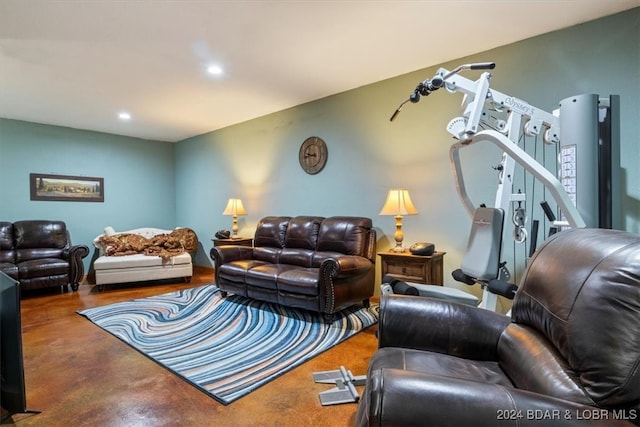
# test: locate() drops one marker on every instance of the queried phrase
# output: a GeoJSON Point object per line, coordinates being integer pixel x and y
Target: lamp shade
{"type": "Point", "coordinates": [234, 207]}
{"type": "Point", "coordinates": [398, 203]}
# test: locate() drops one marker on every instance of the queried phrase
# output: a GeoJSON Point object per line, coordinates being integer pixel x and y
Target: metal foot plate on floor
{"type": "Point", "coordinates": [344, 391]}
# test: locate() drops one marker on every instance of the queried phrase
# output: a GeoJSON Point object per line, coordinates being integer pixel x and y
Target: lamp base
{"type": "Point", "coordinates": [398, 236]}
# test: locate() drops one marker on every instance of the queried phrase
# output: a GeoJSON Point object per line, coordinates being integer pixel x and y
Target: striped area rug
{"type": "Point", "coordinates": [230, 346]}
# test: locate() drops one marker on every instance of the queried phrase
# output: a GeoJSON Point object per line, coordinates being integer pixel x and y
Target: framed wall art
{"type": "Point", "coordinates": [66, 188]}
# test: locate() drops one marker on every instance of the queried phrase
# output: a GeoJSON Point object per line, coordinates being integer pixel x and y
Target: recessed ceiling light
{"type": "Point", "coordinates": [124, 116]}
{"type": "Point", "coordinates": [215, 70]}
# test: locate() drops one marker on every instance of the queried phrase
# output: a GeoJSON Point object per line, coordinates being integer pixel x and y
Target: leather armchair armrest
{"type": "Point", "coordinates": [346, 265]}
{"type": "Point", "coordinates": [440, 326]}
{"type": "Point", "coordinates": [396, 397]}
{"type": "Point", "coordinates": [75, 255]}
{"type": "Point", "coordinates": [228, 253]}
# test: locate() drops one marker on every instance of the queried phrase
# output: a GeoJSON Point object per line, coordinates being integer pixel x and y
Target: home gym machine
{"type": "Point", "coordinates": [584, 130]}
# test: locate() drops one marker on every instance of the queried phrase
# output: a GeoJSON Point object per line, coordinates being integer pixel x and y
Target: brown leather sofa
{"type": "Point", "coordinates": [39, 254]}
{"type": "Point", "coordinates": [314, 263]}
{"type": "Point", "coordinates": [568, 355]}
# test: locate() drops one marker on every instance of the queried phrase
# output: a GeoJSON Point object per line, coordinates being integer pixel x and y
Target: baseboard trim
{"type": "Point", "coordinates": [203, 270]}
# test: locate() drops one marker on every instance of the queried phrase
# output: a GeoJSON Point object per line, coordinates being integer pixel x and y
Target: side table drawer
{"type": "Point", "coordinates": [409, 270]}
{"type": "Point", "coordinates": [413, 268]}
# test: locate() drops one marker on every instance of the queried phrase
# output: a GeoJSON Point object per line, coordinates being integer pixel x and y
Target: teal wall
{"type": "Point", "coordinates": [188, 183]}
{"type": "Point", "coordinates": [139, 178]}
{"type": "Point", "coordinates": [257, 161]}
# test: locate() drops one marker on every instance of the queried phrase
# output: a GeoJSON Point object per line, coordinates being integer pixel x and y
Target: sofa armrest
{"type": "Point", "coordinates": [399, 397]}
{"type": "Point", "coordinates": [440, 326]}
{"type": "Point", "coordinates": [228, 253]}
{"type": "Point", "coordinates": [76, 267]}
{"type": "Point", "coordinates": [346, 265]}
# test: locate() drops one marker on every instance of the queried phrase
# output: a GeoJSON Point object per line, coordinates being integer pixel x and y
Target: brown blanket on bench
{"type": "Point", "coordinates": [162, 245]}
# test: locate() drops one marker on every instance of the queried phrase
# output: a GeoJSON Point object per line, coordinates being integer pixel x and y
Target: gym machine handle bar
{"type": "Point", "coordinates": [426, 87]}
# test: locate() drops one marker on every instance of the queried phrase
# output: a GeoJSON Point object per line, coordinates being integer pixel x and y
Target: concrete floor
{"type": "Point", "coordinates": [79, 375]}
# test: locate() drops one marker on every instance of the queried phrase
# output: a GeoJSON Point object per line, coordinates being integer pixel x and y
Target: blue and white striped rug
{"type": "Point", "coordinates": [230, 346]}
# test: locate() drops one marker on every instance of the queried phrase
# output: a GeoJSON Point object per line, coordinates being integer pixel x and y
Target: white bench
{"type": "Point", "coordinates": [139, 267]}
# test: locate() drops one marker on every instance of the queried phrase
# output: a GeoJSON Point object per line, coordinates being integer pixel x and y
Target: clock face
{"type": "Point", "coordinates": [313, 155]}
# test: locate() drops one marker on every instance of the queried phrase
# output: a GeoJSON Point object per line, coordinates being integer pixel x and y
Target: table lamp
{"type": "Point", "coordinates": [235, 208]}
{"type": "Point", "coordinates": [398, 204]}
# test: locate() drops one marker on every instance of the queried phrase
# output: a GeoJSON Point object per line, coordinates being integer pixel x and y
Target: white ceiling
{"type": "Point", "coordinates": [79, 63]}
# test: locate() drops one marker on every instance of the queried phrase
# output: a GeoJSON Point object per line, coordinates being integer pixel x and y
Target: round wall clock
{"type": "Point", "coordinates": [313, 155]}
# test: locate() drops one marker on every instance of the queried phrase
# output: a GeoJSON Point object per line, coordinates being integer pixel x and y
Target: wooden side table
{"type": "Point", "coordinates": [413, 268]}
{"type": "Point", "coordinates": [242, 241]}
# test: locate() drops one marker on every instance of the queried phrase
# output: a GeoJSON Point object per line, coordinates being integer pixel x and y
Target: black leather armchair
{"type": "Point", "coordinates": [568, 355]}
{"type": "Point", "coordinates": [39, 254]}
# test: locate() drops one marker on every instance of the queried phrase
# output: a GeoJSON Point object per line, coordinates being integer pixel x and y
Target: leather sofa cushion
{"type": "Point", "coordinates": [271, 231]}
{"type": "Point", "coordinates": [9, 269]}
{"type": "Point", "coordinates": [344, 235]}
{"type": "Point", "coordinates": [39, 239]}
{"type": "Point", "coordinates": [302, 232]}
{"type": "Point", "coordinates": [301, 257]}
{"type": "Point", "coordinates": [547, 372]}
{"type": "Point", "coordinates": [235, 270]}
{"type": "Point", "coordinates": [266, 275]}
{"type": "Point", "coordinates": [488, 372]}
{"type": "Point", "coordinates": [40, 234]}
{"type": "Point", "coordinates": [23, 255]}
{"type": "Point", "coordinates": [7, 256]}
{"type": "Point", "coordinates": [267, 254]}
{"type": "Point", "coordinates": [302, 281]}
{"type": "Point", "coordinates": [7, 253]}
{"type": "Point", "coordinates": [43, 267]}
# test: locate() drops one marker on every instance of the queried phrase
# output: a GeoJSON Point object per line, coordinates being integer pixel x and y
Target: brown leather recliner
{"type": "Point", "coordinates": [568, 355]}
{"type": "Point", "coordinates": [315, 263]}
{"type": "Point", "coordinates": [39, 254]}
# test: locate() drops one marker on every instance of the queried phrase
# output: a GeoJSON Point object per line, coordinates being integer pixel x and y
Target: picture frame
{"type": "Point", "coordinates": [66, 188]}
